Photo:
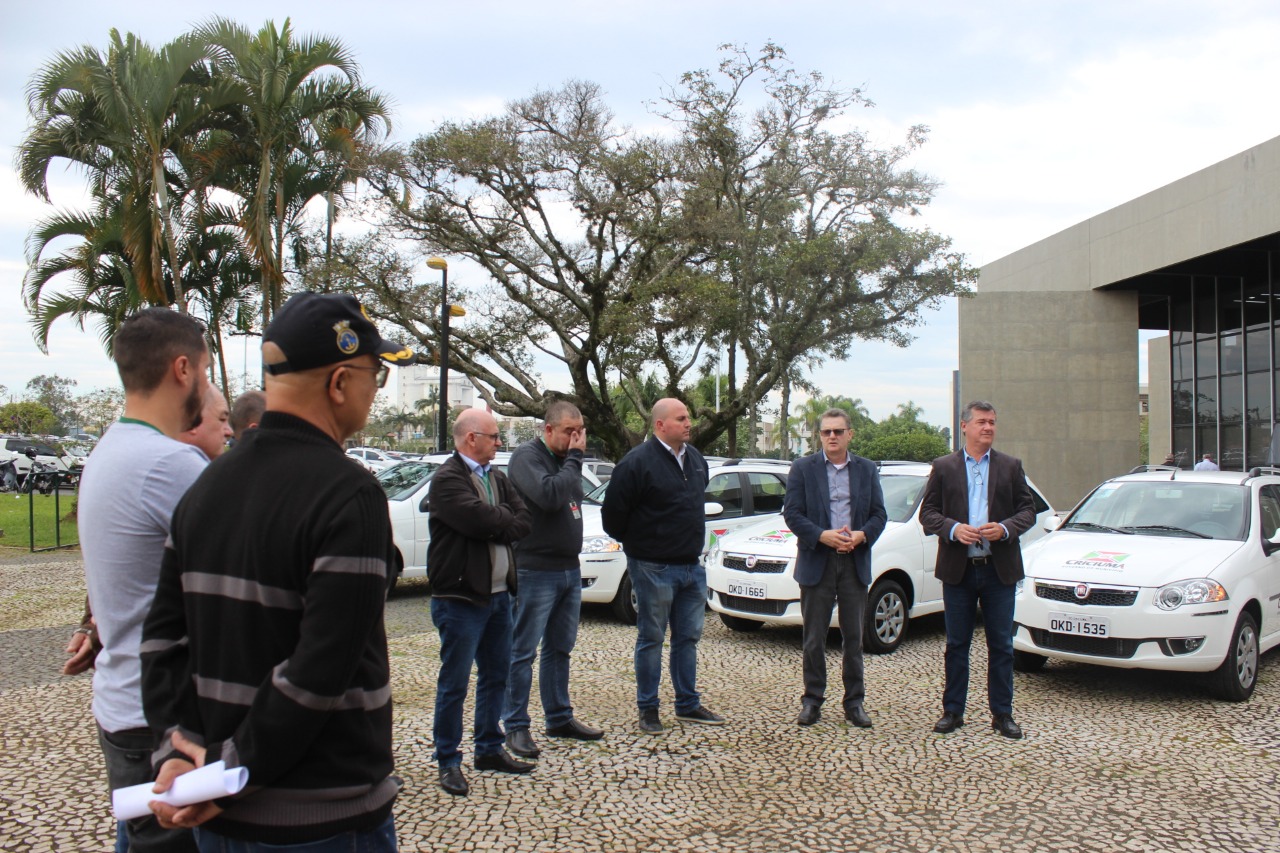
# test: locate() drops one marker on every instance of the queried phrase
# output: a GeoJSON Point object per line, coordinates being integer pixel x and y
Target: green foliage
{"type": "Point", "coordinates": [754, 222]}
{"type": "Point", "coordinates": [901, 436]}
{"type": "Point", "coordinates": [27, 418]}
{"type": "Point", "coordinates": [99, 409]}
{"type": "Point", "coordinates": [54, 394]}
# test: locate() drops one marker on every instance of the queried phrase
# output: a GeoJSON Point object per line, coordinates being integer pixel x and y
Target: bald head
{"type": "Point", "coordinates": [671, 423]}
{"type": "Point", "coordinates": [475, 435]}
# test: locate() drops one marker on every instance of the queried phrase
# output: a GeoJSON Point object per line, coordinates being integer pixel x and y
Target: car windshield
{"type": "Point", "coordinates": [1165, 508]}
{"type": "Point", "coordinates": [901, 494]}
{"type": "Point", "coordinates": [76, 449]}
{"type": "Point", "coordinates": [400, 481]}
{"type": "Point", "coordinates": [596, 495]}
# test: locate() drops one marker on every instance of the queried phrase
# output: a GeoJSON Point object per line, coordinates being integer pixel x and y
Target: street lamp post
{"type": "Point", "coordinates": [443, 422]}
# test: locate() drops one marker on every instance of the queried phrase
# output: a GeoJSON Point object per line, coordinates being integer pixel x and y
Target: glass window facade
{"type": "Point", "coordinates": [1224, 347]}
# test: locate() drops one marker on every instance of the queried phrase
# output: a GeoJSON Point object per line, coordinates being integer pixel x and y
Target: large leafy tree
{"type": "Point", "coordinates": [751, 225]}
{"type": "Point", "coordinates": [124, 117]}
{"type": "Point", "coordinates": [305, 122]}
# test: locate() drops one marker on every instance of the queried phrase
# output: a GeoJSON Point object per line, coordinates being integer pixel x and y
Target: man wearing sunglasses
{"type": "Point", "coordinates": [836, 511]}
{"type": "Point", "coordinates": [266, 648]}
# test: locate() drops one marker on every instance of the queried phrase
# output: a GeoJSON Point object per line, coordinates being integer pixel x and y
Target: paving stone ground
{"type": "Point", "coordinates": [1113, 760]}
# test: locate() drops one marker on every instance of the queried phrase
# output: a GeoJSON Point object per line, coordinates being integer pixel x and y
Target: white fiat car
{"type": "Point", "coordinates": [750, 579]}
{"type": "Point", "coordinates": [1160, 569]}
{"type": "Point", "coordinates": [739, 493]}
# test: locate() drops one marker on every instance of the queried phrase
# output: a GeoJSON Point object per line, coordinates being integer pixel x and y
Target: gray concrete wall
{"type": "Point", "coordinates": [1223, 205]}
{"type": "Point", "coordinates": [1062, 371]}
{"type": "Point", "coordinates": [1159, 433]}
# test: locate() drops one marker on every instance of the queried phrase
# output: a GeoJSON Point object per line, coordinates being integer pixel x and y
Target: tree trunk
{"type": "Point", "coordinates": [733, 395]}
{"type": "Point", "coordinates": [784, 418]}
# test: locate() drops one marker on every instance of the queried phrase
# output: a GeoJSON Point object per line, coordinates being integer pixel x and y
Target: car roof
{"type": "Point", "coordinates": [1160, 473]}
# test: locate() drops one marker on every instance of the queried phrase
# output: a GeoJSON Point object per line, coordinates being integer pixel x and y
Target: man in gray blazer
{"type": "Point", "coordinates": [836, 510]}
{"type": "Point", "coordinates": [977, 502]}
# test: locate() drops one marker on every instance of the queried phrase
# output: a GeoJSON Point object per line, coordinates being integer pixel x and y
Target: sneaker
{"type": "Point", "coordinates": [649, 722]}
{"type": "Point", "coordinates": [700, 714]}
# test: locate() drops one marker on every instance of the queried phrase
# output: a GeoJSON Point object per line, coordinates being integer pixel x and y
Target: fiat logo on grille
{"type": "Point", "coordinates": [1082, 591]}
{"type": "Point", "coordinates": [751, 561]}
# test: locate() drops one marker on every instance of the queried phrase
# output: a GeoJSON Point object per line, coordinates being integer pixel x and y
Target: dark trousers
{"type": "Point", "coordinates": [981, 585]}
{"type": "Point", "coordinates": [478, 634]}
{"type": "Point", "coordinates": [840, 585]}
{"type": "Point", "coordinates": [128, 755]}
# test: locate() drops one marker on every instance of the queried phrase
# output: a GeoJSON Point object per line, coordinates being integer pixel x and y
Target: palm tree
{"type": "Point", "coordinates": [125, 118]}
{"type": "Point", "coordinates": [301, 99]}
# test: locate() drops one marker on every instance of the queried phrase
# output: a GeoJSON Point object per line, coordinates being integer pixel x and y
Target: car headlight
{"type": "Point", "coordinates": [1199, 591]}
{"type": "Point", "coordinates": [600, 544]}
{"type": "Point", "coordinates": [712, 558]}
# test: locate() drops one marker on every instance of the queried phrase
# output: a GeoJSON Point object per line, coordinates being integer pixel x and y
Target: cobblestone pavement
{"type": "Point", "coordinates": [1112, 761]}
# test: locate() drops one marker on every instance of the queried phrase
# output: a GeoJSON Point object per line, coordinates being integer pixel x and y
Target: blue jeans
{"type": "Point", "coordinates": [546, 612]}
{"type": "Point", "coordinates": [675, 594]}
{"type": "Point", "coordinates": [128, 757]}
{"type": "Point", "coordinates": [479, 634]}
{"type": "Point", "coordinates": [960, 602]}
{"type": "Point", "coordinates": [380, 840]}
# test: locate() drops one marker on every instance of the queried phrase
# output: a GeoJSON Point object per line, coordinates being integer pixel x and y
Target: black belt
{"type": "Point", "coordinates": [980, 561]}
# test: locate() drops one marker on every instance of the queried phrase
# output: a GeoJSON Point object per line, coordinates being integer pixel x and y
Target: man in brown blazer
{"type": "Point", "coordinates": [977, 502]}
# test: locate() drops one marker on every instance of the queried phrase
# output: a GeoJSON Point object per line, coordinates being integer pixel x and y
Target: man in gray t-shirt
{"type": "Point", "coordinates": [130, 487]}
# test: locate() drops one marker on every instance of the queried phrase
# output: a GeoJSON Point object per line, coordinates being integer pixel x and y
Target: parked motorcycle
{"type": "Point", "coordinates": [8, 476]}
{"type": "Point", "coordinates": [41, 476]}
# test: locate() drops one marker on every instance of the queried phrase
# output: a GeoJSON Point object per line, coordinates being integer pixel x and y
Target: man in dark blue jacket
{"type": "Point", "coordinates": [655, 506]}
{"type": "Point", "coordinates": [836, 510]}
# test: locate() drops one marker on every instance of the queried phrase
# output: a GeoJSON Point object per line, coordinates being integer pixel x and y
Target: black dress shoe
{"type": "Point", "coordinates": [1004, 724]}
{"type": "Point", "coordinates": [575, 729]}
{"type": "Point", "coordinates": [503, 763]}
{"type": "Point", "coordinates": [521, 743]}
{"type": "Point", "coordinates": [453, 782]}
{"type": "Point", "coordinates": [948, 723]}
{"type": "Point", "coordinates": [858, 717]}
{"type": "Point", "coordinates": [809, 714]}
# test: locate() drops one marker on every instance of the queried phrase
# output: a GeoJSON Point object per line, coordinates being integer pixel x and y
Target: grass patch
{"type": "Point", "coordinates": [16, 516]}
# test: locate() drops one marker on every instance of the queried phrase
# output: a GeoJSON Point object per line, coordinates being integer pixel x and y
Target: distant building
{"type": "Point", "coordinates": [1051, 334]}
{"type": "Point", "coordinates": [416, 382]}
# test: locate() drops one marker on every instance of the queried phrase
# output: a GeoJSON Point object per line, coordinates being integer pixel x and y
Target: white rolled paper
{"type": "Point", "coordinates": [207, 783]}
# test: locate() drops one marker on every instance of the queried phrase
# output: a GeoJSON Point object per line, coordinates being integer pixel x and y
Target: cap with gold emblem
{"type": "Point", "coordinates": [319, 329]}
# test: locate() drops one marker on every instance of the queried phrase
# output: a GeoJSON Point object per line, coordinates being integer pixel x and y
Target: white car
{"type": "Point", "coordinates": [739, 493]}
{"type": "Point", "coordinates": [375, 460]}
{"type": "Point", "coordinates": [408, 488]}
{"type": "Point", "coordinates": [750, 574]}
{"type": "Point", "coordinates": [1160, 569]}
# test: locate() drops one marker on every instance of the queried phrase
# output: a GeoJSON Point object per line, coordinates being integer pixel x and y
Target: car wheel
{"type": "Point", "coordinates": [737, 623]}
{"type": "Point", "coordinates": [1027, 661]}
{"type": "Point", "coordinates": [1238, 675]}
{"type": "Point", "coordinates": [624, 603]}
{"type": "Point", "coordinates": [886, 618]}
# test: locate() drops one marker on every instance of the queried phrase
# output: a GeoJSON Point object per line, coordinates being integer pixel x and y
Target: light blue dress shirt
{"type": "Point", "coordinates": [977, 472]}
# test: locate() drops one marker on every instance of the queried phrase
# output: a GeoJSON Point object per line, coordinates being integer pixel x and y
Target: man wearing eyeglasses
{"type": "Point", "coordinates": [977, 502]}
{"type": "Point", "coordinates": [835, 508]}
{"type": "Point", "coordinates": [265, 647]}
{"type": "Point", "coordinates": [476, 517]}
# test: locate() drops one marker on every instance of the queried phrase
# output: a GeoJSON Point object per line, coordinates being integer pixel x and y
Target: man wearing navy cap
{"type": "Point", "coordinates": [265, 648]}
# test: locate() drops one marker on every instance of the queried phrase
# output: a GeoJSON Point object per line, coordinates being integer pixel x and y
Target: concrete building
{"type": "Point", "coordinates": [416, 382]}
{"type": "Point", "coordinates": [1051, 334]}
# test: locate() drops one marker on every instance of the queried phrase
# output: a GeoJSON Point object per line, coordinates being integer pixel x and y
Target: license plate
{"type": "Point", "coordinates": [748, 590]}
{"type": "Point", "coordinates": [1075, 623]}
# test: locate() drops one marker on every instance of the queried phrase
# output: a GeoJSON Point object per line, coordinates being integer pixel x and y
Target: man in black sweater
{"type": "Point", "coordinates": [265, 647]}
{"type": "Point", "coordinates": [655, 506]}
{"type": "Point", "coordinates": [547, 471]}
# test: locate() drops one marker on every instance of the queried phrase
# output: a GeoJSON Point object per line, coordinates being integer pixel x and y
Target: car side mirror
{"type": "Point", "coordinates": [425, 506]}
{"type": "Point", "coordinates": [1270, 546]}
{"type": "Point", "coordinates": [711, 509]}
{"type": "Point", "coordinates": [1052, 523]}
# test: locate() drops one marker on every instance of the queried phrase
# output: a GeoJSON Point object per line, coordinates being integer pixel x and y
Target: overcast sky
{"type": "Point", "coordinates": [1042, 113]}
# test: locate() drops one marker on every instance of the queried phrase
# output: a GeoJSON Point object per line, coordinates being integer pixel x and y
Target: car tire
{"type": "Point", "coordinates": [737, 623]}
{"type": "Point", "coordinates": [624, 603]}
{"type": "Point", "coordinates": [1027, 661]}
{"type": "Point", "coordinates": [886, 618]}
{"type": "Point", "coordinates": [1238, 675]}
